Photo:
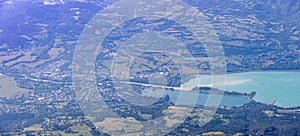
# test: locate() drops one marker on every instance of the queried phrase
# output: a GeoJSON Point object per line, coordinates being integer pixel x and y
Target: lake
{"type": "Point", "coordinates": [282, 87]}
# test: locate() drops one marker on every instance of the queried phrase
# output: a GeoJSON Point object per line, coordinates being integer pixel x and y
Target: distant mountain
{"type": "Point", "coordinates": [288, 11]}
{"type": "Point", "coordinates": [256, 34]}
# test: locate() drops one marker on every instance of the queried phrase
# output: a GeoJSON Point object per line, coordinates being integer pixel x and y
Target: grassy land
{"type": "Point", "coordinates": [8, 87]}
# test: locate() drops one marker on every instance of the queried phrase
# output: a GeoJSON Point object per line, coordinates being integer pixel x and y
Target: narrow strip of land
{"type": "Point", "coordinates": [165, 87]}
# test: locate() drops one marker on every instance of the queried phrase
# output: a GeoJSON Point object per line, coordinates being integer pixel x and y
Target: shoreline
{"type": "Point", "coordinates": [277, 71]}
{"type": "Point", "coordinates": [190, 77]}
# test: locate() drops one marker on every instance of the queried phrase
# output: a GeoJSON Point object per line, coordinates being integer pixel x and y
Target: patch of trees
{"type": "Point", "coordinates": [248, 119]}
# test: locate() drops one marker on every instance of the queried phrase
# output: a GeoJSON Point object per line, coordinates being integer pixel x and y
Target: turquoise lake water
{"type": "Point", "coordinates": [282, 87]}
